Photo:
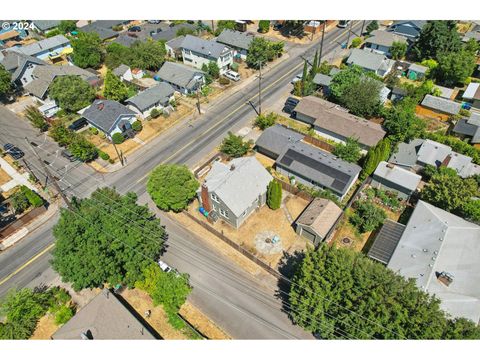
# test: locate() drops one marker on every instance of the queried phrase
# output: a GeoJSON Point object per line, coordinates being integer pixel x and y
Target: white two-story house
{"type": "Point", "coordinates": [196, 52]}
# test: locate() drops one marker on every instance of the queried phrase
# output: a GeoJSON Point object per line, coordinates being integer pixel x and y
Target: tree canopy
{"type": "Point", "coordinates": [147, 55]}
{"type": "Point", "coordinates": [263, 26]}
{"type": "Point", "coordinates": [67, 26]}
{"type": "Point", "coordinates": [71, 92]}
{"type": "Point", "coordinates": [106, 238]}
{"type": "Point", "coordinates": [350, 151]}
{"type": "Point", "coordinates": [265, 121]}
{"type": "Point", "coordinates": [362, 97]}
{"type": "Point", "coordinates": [5, 81]}
{"type": "Point", "coordinates": [343, 80]}
{"type": "Point", "coordinates": [274, 195]}
{"type": "Point", "coordinates": [114, 88]}
{"type": "Point", "coordinates": [234, 146]}
{"type": "Point", "coordinates": [367, 216]}
{"type": "Point", "coordinates": [172, 186]}
{"type": "Point", "coordinates": [339, 293]}
{"type": "Point", "coordinates": [398, 50]}
{"type": "Point", "coordinates": [437, 37]}
{"type": "Point", "coordinates": [455, 67]}
{"type": "Point", "coordinates": [261, 50]}
{"type": "Point", "coordinates": [87, 50]}
{"type": "Point", "coordinates": [401, 122]}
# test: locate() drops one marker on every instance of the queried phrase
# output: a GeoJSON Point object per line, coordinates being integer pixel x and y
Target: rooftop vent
{"type": "Point", "coordinates": [232, 167]}
{"type": "Point", "coordinates": [390, 165]}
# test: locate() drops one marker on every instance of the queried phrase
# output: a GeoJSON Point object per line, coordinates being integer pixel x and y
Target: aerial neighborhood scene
{"type": "Point", "coordinates": [240, 179]}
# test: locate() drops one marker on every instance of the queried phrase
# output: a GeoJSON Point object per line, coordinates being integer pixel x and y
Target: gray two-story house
{"type": "Point", "coordinates": [234, 190]}
{"type": "Point", "coordinates": [197, 51]}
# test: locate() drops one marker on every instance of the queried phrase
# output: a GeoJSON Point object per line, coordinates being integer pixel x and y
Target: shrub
{"type": "Point", "coordinates": [265, 121]}
{"type": "Point", "coordinates": [19, 202]}
{"type": "Point", "coordinates": [33, 198]}
{"type": "Point", "coordinates": [234, 146]}
{"type": "Point", "coordinates": [234, 66]}
{"type": "Point", "coordinates": [223, 81]}
{"type": "Point", "coordinates": [356, 42]}
{"type": "Point", "coordinates": [137, 126]}
{"type": "Point", "coordinates": [63, 314]}
{"type": "Point", "coordinates": [263, 26]}
{"type": "Point", "coordinates": [93, 131]}
{"type": "Point", "coordinates": [274, 195]}
{"type": "Point", "coordinates": [155, 113]}
{"type": "Point", "coordinates": [104, 156]}
{"type": "Point", "coordinates": [367, 217]}
{"type": "Point", "coordinates": [118, 138]}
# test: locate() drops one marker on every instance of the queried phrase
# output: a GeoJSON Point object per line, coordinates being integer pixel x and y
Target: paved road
{"type": "Point", "coordinates": [244, 306]}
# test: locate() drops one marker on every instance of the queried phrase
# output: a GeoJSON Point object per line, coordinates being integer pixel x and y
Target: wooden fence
{"type": "Point", "coordinates": [319, 143]}
{"type": "Point", "coordinates": [292, 189]}
{"type": "Point", "coordinates": [235, 246]}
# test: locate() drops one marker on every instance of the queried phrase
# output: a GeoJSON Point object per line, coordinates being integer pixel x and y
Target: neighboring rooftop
{"type": "Point", "coordinates": [320, 215]}
{"type": "Point", "coordinates": [208, 48]}
{"type": "Point", "coordinates": [239, 183]}
{"type": "Point", "coordinates": [179, 74]}
{"type": "Point", "coordinates": [235, 39]}
{"type": "Point", "coordinates": [44, 25]}
{"type": "Point", "coordinates": [397, 175]}
{"type": "Point", "coordinates": [319, 166]}
{"type": "Point", "coordinates": [332, 117]}
{"type": "Point", "coordinates": [176, 43]}
{"type": "Point", "coordinates": [275, 138]}
{"type": "Point", "coordinates": [42, 45]}
{"type": "Point", "coordinates": [384, 38]}
{"type": "Point", "coordinates": [419, 69]}
{"type": "Point", "coordinates": [322, 79]}
{"type": "Point", "coordinates": [120, 70]}
{"type": "Point", "coordinates": [472, 92]}
{"type": "Point", "coordinates": [14, 62]}
{"type": "Point", "coordinates": [102, 27]}
{"type": "Point", "coordinates": [445, 92]}
{"type": "Point", "coordinates": [160, 93]}
{"type": "Point", "coordinates": [469, 127]}
{"type": "Point", "coordinates": [104, 318]}
{"type": "Point", "coordinates": [369, 60]}
{"type": "Point", "coordinates": [444, 105]}
{"type": "Point", "coordinates": [436, 242]}
{"type": "Point", "coordinates": [386, 241]}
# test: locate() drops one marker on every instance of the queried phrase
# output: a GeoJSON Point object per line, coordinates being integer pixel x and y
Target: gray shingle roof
{"type": "Point", "coordinates": [469, 127]}
{"type": "Point", "coordinates": [441, 104]}
{"type": "Point", "coordinates": [384, 38]}
{"type": "Point", "coordinates": [120, 70]}
{"type": "Point", "coordinates": [369, 60]}
{"type": "Point", "coordinates": [43, 25]}
{"type": "Point", "coordinates": [176, 43]}
{"type": "Point", "coordinates": [275, 138]}
{"type": "Point", "coordinates": [104, 114]}
{"type": "Point", "coordinates": [322, 80]}
{"type": "Point", "coordinates": [435, 241]}
{"type": "Point", "coordinates": [406, 154]}
{"type": "Point", "coordinates": [178, 74]}
{"type": "Point", "coordinates": [319, 166]}
{"type": "Point", "coordinates": [14, 62]}
{"type": "Point", "coordinates": [205, 47]}
{"type": "Point", "coordinates": [104, 318]}
{"type": "Point", "coordinates": [397, 175]}
{"type": "Point", "coordinates": [235, 39]}
{"type": "Point", "coordinates": [320, 215]}
{"type": "Point", "coordinates": [331, 117]}
{"type": "Point", "coordinates": [102, 31]}
{"type": "Point", "coordinates": [419, 69]}
{"type": "Point", "coordinates": [160, 93]}
{"type": "Point", "coordinates": [240, 187]}
{"type": "Point", "coordinates": [45, 74]}
{"type": "Point", "coordinates": [42, 45]}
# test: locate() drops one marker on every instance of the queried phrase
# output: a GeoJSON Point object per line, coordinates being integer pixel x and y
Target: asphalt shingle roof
{"type": "Point", "coordinates": [235, 39]}
{"type": "Point", "coordinates": [205, 47]}
{"type": "Point", "coordinates": [384, 38]}
{"type": "Point", "coordinates": [105, 113]}
{"type": "Point", "coordinates": [369, 60]}
{"type": "Point", "coordinates": [441, 104]}
{"type": "Point", "coordinates": [160, 93]}
{"type": "Point", "coordinates": [42, 45]}
{"type": "Point", "coordinates": [320, 215]}
{"type": "Point", "coordinates": [43, 25]}
{"type": "Point", "coordinates": [322, 79]}
{"type": "Point", "coordinates": [178, 74]}
{"type": "Point", "coordinates": [120, 70]}
{"type": "Point", "coordinates": [396, 175]}
{"type": "Point", "coordinates": [14, 62]}
{"type": "Point", "coordinates": [102, 31]}
{"type": "Point", "coordinates": [275, 138]}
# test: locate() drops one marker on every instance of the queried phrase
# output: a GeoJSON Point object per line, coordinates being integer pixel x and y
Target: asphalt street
{"type": "Point", "coordinates": [245, 306]}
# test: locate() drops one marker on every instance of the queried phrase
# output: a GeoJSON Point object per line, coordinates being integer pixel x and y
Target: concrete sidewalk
{"type": "Point", "coordinates": [17, 178]}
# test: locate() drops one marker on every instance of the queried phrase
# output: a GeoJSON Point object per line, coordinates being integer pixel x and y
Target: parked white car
{"type": "Point", "coordinates": [164, 266]}
{"type": "Point", "coordinates": [297, 78]}
{"type": "Point", "coordinates": [232, 75]}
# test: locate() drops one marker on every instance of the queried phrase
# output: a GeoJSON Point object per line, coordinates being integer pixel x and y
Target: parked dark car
{"type": "Point", "coordinates": [68, 155]}
{"type": "Point", "coordinates": [134, 29]}
{"type": "Point", "coordinates": [290, 104]}
{"type": "Point", "coordinates": [277, 26]}
{"type": "Point", "coordinates": [78, 124]}
{"type": "Point", "coordinates": [14, 151]}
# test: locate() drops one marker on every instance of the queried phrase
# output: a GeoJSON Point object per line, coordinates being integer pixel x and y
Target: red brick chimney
{"type": "Point", "coordinates": [447, 159]}
{"type": "Point", "coordinates": [205, 198]}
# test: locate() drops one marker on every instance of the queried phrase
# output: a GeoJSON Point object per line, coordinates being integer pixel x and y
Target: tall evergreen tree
{"type": "Point", "coordinates": [274, 195]}
{"type": "Point", "coordinates": [437, 37]}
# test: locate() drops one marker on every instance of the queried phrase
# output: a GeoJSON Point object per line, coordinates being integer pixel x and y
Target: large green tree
{"type": "Point", "coordinates": [117, 54]}
{"type": "Point", "coordinates": [148, 55]}
{"type": "Point", "coordinates": [343, 80]}
{"type": "Point", "coordinates": [224, 24]}
{"type": "Point", "coordinates": [36, 118]}
{"type": "Point", "coordinates": [350, 151]}
{"type": "Point", "coordinates": [172, 186]}
{"type": "Point", "coordinates": [234, 146]}
{"type": "Point", "coordinates": [362, 97]}
{"type": "Point", "coordinates": [398, 50]}
{"type": "Point", "coordinates": [437, 37]}
{"type": "Point", "coordinates": [401, 123]}
{"type": "Point", "coordinates": [367, 216]}
{"type": "Point", "coordinates": [274, 195]}
{"type": "Point", "coordinates": [455, 67]}
{"type": "Point", "coordinates": [339, 293]}
{"type": "Point", "coordinates": [67, 26]}
{"type": "Point", "coordinates": [71, 92]}
{"type": "Point", "coordinates": [5, 81]}
{"type": "Point", "coordinates": [87, 50]}
{"type": "Point", "coordinates": [379, 152]}
{"type": "Point", "coordinates": [261, 50]}
{"type": "Point", "coordinates": [114, 88]}
{"type": "Point", "coordinates": [106, 238]}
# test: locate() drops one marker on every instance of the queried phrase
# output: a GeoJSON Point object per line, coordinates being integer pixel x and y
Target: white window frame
{"type": "Point", "coordinates": [224, 213]}
{"type": "Point", "coordinates": [215, 197]}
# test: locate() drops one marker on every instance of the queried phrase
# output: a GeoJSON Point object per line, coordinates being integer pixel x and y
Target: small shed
{"type": "Point", "coordinates": [394, 178]}
{"type": "Point", "coordinates": [417, 72]}
{"type": "Point", "coordinates": [317, 220]}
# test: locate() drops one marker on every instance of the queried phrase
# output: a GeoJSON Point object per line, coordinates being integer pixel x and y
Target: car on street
{"type": "Point", "coordinates": [164, 266]}
{"type": "Point", "coordinates": [78, 124]}
{"type": "Point", "coordinates": [297, 78]}
{"type": "Point", "coordinates": [343, 23]}
{"type": "Point", "coordinates": [68, 155]}
{"type": "Point", "coordinates": [154, 21]}
{"type": "Point", "coordinates": [232, 75]}
{"type": "Point", "coordinates": [13, 151]}
{"type": "Point", "coordinates": [134, 29]}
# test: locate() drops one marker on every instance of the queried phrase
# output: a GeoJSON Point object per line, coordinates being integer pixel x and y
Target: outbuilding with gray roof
{"type": "Point", "coordinates": [394, 178]}
{"type": "Point", "coordinates": [441, 105]}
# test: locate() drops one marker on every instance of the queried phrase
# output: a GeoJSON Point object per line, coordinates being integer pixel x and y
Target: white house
{"type": "Point", "coordinates": [196, 52]}
{"type": "Point", "coordinates": [370, 61]}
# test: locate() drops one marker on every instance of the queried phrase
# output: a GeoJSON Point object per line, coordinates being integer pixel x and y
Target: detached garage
{"type": "Point", "coordinates": [317, 219]}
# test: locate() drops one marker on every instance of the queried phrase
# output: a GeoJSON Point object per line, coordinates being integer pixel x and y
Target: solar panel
{"type": "Point", "coordinates": [386, 241]}
{"type": "Point", "coordinates": [286, 161]}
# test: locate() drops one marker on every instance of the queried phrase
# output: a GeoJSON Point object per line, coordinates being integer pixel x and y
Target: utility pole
{"type": "Point", "coordinates": [198, 98]}
{"type": "Point", "coordinates": [49, 175]}
{"type": "Point", "coordinates": [30, 170]}
{"type": "Point", "coordinates": [260, 89]}
{"type": "Point", "coordinates": [120, 157]}
{"type": "Point", "coordinates": [314, 29]}
{"type": "Point", "coordinates": [213, 27]}
{"type": "Point", "coordinates": [363, 25]}
{"type": "Point", "coordinates": [349, 32]}
{"type": "Point", "coordinates": [321, 44]}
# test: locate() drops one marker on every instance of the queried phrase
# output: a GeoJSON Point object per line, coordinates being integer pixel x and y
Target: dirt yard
{"type": "Point", "coordinates": [4, 177]}
{"type": "Point", "coordinates": [202, 323]}
{"type": "Point", "coordinates": [345, 230]}
{"type": "Point", "coordinates": [264, 160]}
{"type": "Point", "coordinates": [46, 327]}
{"type": "Point", "coordinates": [260, 227]}
{"type": "Point", "coordinates": [296, 205]}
